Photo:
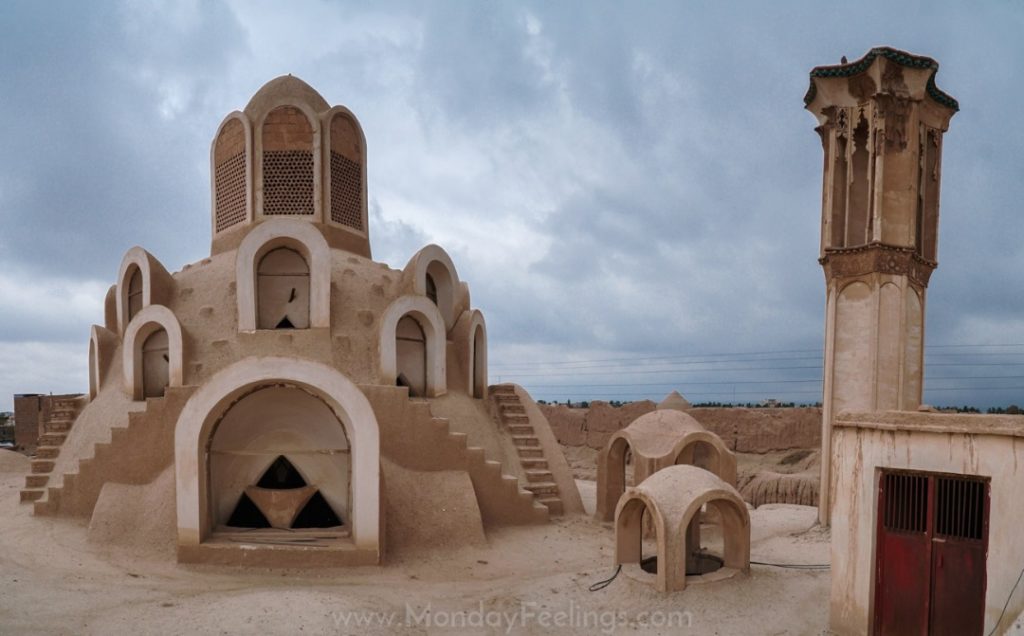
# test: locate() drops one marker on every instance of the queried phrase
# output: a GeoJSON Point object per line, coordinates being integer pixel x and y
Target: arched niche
{"type": "Point", "coordinates": [230, 173]}
{"type": "Point", "coordinates": [432, 274]}
{"type": "Point", "coordinates": [102, 345]}
{"type": "Point", "coordinates": [303, 239]}
{"type": "Point", "coordinates": [706, 450]}
{"type": "Point", "coordinates": [144, 350]}
{"type": "Point", "coordinates": [346, 193]}
{"type": "Point", "coordinates": [427, 317]}
{"type": "Point", "coordinates": [282, 290]}
{"type": "Point", "coordinates": [674, 498]}
{"type": "Point", "coordinates": [209, 404]}
{"type": "Point", "coordinates": [281, 455]}
{"type": "Point", "coordinates": [470, 339]}
{"type": "Point", "coordinates": [141, 281]}
{"type": "Point", "coordinates": [289, 162]}
{"type": "Point", "coordinates": [611, 475]}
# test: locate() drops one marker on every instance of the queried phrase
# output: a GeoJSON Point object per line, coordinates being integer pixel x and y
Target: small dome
{"type": "Point", "coordinates": [282, 90]}
{"type": "Point", "coordinates": [674, 400]}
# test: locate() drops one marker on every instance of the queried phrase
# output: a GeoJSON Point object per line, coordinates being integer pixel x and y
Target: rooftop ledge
{"type": "Point", "coordinates": [924, 422]}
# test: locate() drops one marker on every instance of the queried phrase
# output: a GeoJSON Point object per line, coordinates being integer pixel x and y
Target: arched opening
{"type": "Point", "coordinates": [640, 535]}
{"type": "Point", "coordinates": [702, 455]}
{"type": "Point", "coordinates": [716, 539]}
{"type": "Point", "coordinates": [282, 290]}
{"type": "Point", "coordinates": [134, 293]}
{"type": "Point", "coordinates": [440, 288]}
{"type": "Point", "coordinates": [411, 351]}
{"type": "Point", "coordinates": [346, 171]}
{"type": "Point", "coordinates": [615, 477]}
{"type": "Point", "coordinates": [479, 371]}
{"type": "Point", "coordinates": [230, 173]}
{"type": "Point", "coordinates": [288, 165]}
{"type": "Point", "coordinates": [155, 364]}
{"type": "Point", "coordinates": [280, 462]}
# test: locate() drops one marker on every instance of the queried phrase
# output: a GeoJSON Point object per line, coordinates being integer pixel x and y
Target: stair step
{"type": "Point", "coordinates": [530, 463]}
{"type": "Point", "coordinates": [52, 439]}
{"type": "Point", "coordinates": [36, 481]}
{"type": "Point", "coordinates": [526, 440]}
{"type": "Point", "coordinates": [543, 488]}
{"type": "Point", "coordinates": [42, 466]}
{"type": "Point", "coordinates": [553, 504]}
{"type": "Point", "coordinates": [512, 408]}
{"type": "Point", "coordinates": [31, 494]}
{"type": "Point", "coordinates": [525, 430]}
{"type": "Point", "coordinates": [47, 452]}
{"type": "Point", "coordinates": [515, 418]}
{"type": "Point", "coordinates": [539, 475]}
{"type": "Point", "coordinates": [503, 389]}
{"type": "Point", "coordinates": [531, 452]}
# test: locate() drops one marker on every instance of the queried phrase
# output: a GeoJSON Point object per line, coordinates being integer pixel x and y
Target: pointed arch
{"type": "Point", "coordinates": [231, 173]}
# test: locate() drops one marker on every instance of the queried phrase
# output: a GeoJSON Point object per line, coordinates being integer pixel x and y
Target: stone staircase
{"type": "Point", "coordinates": [427, 443]}
{"type": "Point", "coordinates": [55, 431]}
{"type": "Point", "coordinates": [136, 453]}
{"type": "Point", "coordinates": [539, 479]}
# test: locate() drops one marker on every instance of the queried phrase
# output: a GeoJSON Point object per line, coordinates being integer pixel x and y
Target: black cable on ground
{"type": "Point", "coordinates": [1006, 604]}
{"type": "Point", "coordinates": [795, 566]}
{"type": "Point", "coordinates": [600, 585]}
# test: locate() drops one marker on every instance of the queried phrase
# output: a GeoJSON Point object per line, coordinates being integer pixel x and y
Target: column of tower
{"type": "Point", "coordinates": [881, 121]}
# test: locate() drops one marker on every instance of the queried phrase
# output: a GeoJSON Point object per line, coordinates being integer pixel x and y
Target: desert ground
{"type": "Point", "coordinates": [59, 577]}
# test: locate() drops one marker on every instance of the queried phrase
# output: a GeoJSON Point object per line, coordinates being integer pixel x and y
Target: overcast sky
{"type": "Point", "coordinates": [614, 180]}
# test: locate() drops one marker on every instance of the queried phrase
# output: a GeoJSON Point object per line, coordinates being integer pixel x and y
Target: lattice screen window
{"type": "Point", "coordinates": [287, 182]}
{"type": "Point", "coordinates": [346, 191]}
{"type": "Point", "coordinates": [287, 163]}
{"type": "Point", "coordinates": [229, 174]}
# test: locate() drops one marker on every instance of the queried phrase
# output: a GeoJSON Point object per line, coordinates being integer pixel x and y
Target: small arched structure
{"type": "Point", "coordinates": [141, 330]}
{"type": "Point", "coordinates": [427, 317]}
{"type": "Point", "coordinates": [657, 440]}
{"type": "Point", "coordinates": [674, 497]}
{"type": "Point", "coordinates": [141, 281]}
{"type": "Point", "coordinates": [231, 173]}
{"type": "Point", "coordinates": [431, 273]}
{"type": "Point", "coordinates": [330, 396]}
{"type": "Point", "coordinates": [303, 239]}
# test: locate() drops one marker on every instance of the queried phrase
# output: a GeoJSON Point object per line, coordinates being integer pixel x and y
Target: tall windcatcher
{"type": "Point", "coordinates": [881, 121]}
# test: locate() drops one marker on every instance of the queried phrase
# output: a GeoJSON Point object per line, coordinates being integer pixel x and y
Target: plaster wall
{"type": "Point", "coordinates": [864, 443]}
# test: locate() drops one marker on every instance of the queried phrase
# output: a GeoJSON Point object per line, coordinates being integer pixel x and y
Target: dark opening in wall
{"type": "Point", "coordinates": [247, 515]}
{"type": "Point", "coordinates": [281, 476]}
{"type": "Point", "coordinates": [317, 514]}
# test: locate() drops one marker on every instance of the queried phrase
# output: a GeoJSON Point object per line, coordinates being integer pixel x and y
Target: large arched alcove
{"type": "Point", "coordinates": [303, 241]}
{"type": "Point", "coordinates": [398, 349]}
{"type": "Point", "coordinates": [411, 356]}
{"type": "Point", "coordinates": [282, 451]}
{"type": "Point", "coordinates": [153, 353]}
{"type": "Point", "coordinates": [330, 397]}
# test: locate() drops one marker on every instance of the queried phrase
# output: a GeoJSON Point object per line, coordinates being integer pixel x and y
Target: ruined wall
{"type": "Point", "coordinates": [758, 430]}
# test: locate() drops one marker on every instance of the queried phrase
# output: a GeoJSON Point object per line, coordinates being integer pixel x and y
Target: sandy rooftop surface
{"type": "Point", "coordinates": [528, 580]}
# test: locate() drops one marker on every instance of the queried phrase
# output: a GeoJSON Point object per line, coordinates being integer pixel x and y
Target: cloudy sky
{"type": "Point", "coordinates": [632, 189]}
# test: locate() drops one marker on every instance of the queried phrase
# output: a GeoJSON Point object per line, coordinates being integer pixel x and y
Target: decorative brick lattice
{"type": "Point", "coordinates": [229, 181]}
{"type": "Point", "coordinates": [287, 182]}
{"type": "Point", "coordinates": [346, 191]}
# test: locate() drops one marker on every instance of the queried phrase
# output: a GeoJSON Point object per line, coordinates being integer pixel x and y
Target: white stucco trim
{"type": "Point", "coordinates": [300, 236]}
{"type": "Point", "coordinates": [428, 316]}
{"type": "Point", "coordinates": [447, 290]}
{"type": "Point", "coordinates": [147, 321]}
{"type": "Point", "coordinates": [196, 424]}
{"type": "Point", "coordinates": [135, 257]}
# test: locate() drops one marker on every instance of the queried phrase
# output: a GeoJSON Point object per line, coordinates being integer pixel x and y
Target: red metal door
{"type": "Point", "coordinates": [931, 554]}
{"type": "Point", "coordinates": [959, 545]}
{"type": "Point", "coordinates": [903, 555]}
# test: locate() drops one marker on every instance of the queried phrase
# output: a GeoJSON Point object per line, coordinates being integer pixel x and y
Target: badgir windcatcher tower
{"type": "Point", "coordinates": [291, 400]}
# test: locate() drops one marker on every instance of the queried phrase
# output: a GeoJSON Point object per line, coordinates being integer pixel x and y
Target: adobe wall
{"type": "Point", "coordinates": [757, 430]}
{"type": "Point", "coordinates": [864, 443]}
{"type": "Point", "coordinates": [27, 418]}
